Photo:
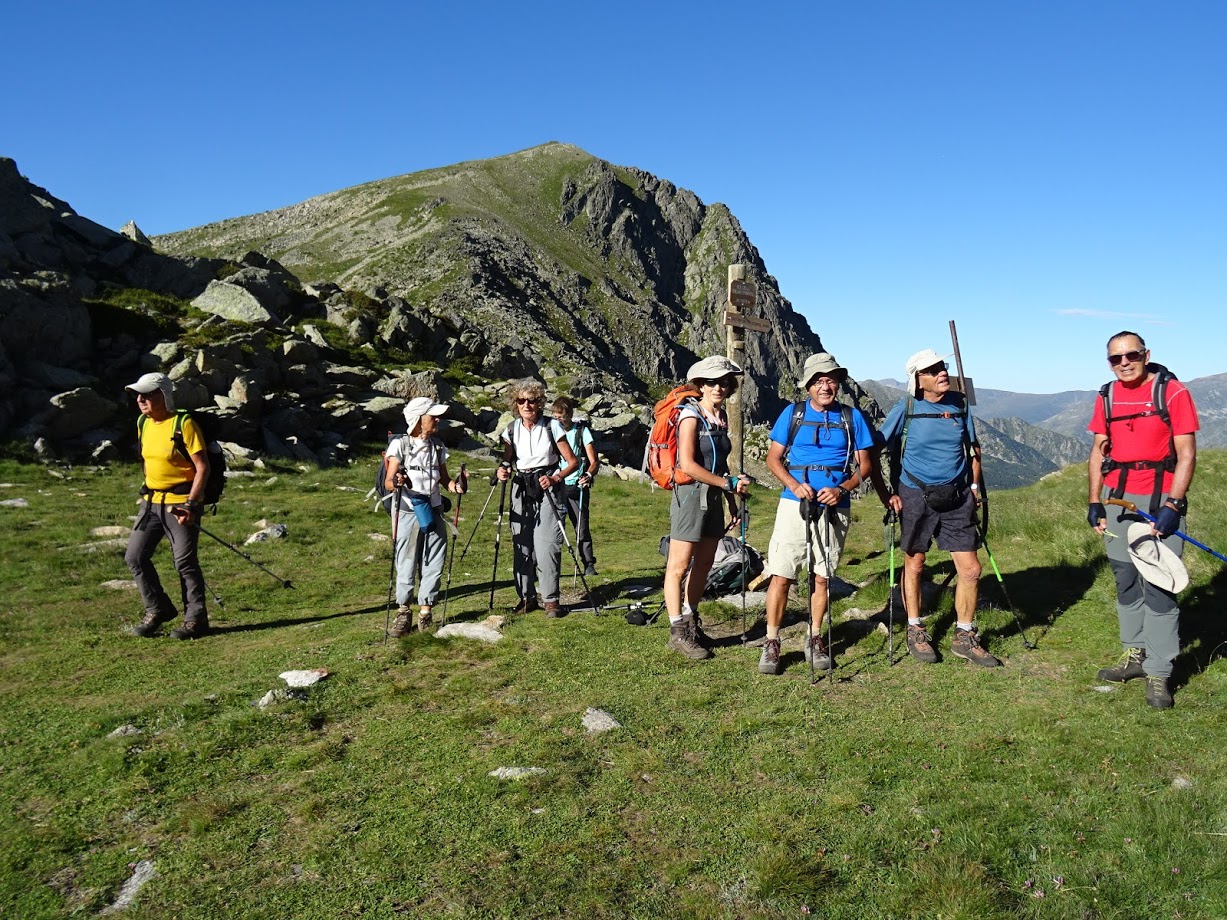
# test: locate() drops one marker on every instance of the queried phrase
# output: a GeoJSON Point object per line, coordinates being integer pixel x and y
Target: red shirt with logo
{"type": "Point", "coordinates": [1146, 438]}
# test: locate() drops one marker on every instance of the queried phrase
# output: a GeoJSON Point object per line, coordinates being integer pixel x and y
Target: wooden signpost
{"type": "Point", "coordinates": [742, 296]}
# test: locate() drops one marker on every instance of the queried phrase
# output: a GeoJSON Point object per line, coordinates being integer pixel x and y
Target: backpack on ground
{"type": "Point", "coordinates": [215, 485]}
{"type": "Point", "coordinates": [725, 575]}
{"type": "Point", "coordinates": [794, 426]}
{"type": "Point", "coordinates": [1158, 402]}
{"type": "Point", "coordinates": [660, 456]}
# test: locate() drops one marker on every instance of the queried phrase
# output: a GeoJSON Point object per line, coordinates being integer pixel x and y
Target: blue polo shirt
{"type": "Point", "coordinates": [936, 452]}
{"type": "Point", "coordinates": [821, 441]}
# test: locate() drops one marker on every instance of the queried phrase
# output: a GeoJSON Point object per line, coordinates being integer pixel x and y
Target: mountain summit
{"type": "Point", "coordinates": [606, 276]}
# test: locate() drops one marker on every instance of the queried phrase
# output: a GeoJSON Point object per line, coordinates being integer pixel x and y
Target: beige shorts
{"type": "Point", "coordinates": [786, 555]}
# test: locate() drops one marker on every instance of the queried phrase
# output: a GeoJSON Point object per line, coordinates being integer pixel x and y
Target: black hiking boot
{"type": "Point", "coordinates": [769, 661]}
{"type": "Point", "coordinates": [699, 636]}
{"type": "Point", "coordinates": [966, 645]}
{"type": "Point", "coordinates": [682, 639]}
{"type": "Point", "coordinates": [192, 628]}
{"type": "Point", "coordinates": [1128, 667]}
{"type": "Point", "coordinates": [1157, 693]}
{"type": "Point", "coordinates": [919, 645]}
{"type": "Point", "coordinates": [526, 605]}
{"type": "Point", "coordinates": [150, 626]}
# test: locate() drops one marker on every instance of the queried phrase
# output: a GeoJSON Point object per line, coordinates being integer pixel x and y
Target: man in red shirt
{"type": "Point", "coordinates": [1147, 459]}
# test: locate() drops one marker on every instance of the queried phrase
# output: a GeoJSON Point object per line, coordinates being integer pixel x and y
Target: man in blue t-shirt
{"type": "Point", "coordinates": [826, 457]}
{"type": "Point", "coordinates": [936, 470]}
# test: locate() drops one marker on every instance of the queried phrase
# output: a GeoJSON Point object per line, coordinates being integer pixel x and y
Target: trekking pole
{"type": "Point", "coordinates": [1027, 643]}
{"type": "Point", "coordinates": [889, 520]}
{"type": "Point", "coordinates": [1133, 509]}
{"type": "Point", "coordinates": [809, 604]}
{"type": "Point", "coordinates": [575, 525]}
{"type": "Point", "coordinates": [451, 557]}
{"type": "Point", "coordinates": [827, 511]}
{"type": "Point", "coordinates": [745, 523]}
{"type": "Point", "coordinates": [498, 538]}
{"type": "Point", "coordinates": [285, 582]}
{"type": "Point", "coordinates": [549, 493]}
{"type": "Point", "coordinates": [469, 542]}
{"type": "Point", "coordinates": [387, 617]}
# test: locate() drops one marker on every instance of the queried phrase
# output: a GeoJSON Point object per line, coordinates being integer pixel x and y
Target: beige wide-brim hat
{"type": "Point", "coordinates": [150, 382]}
{"type": "Point", "coordinates": [713, 368]}
{"type": "Point", "coordinates": [419, 406]}
{"type": "Point", "coordinates": [1154, 560]}
{"type": "Point", "coordinates": [821, 363]}
{"type": "Point", "coordinates": [926, 357]}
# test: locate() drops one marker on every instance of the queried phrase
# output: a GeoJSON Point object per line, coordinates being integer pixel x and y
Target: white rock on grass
{"type": "Point", "coordinates": [14, 503]}
{"type": "Point", "coordinates": [119, 584]}
{"type": "Point", "coordinates": [103, 545]}
{"type": "Point", "coordinates": [488, 630]}
{"type": "Point", "coordinates": [379, 537]}
{"type": "Point", "coordinates": [598, 720]}
{"type": "Point", "coordinates": [272, 532]}
{"type": "Point", "coordinates": [1105, 688]}
{"type": "Point", "coordinates": [124, 731]}
{"type": "Point", "coordinates": [110, 530]}
{"type": "Point", "coordinates": [1182, 782]}
{"type": "Point", "coordinates": [142, 873]}
{"type": "Point", "coordinates": [304, 678]}
{"type": "Point", "coordinates": [516, 772]}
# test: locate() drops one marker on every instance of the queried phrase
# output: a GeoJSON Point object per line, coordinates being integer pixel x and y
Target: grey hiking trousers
{"type": "Point", "coordinates": [154, 521]}
{"type": "Point", "coordinates": [536, 543]}
{"type": "Point", "coordinates": [1148, 616]}
{"type": "Point", "coordinates": [419, 549]}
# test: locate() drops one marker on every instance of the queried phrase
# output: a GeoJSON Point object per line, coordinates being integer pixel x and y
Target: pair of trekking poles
{"type": "Point", "coordinates": [559, 518]}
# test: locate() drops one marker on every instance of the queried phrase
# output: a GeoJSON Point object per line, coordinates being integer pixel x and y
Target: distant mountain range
{"type": "Point", "coordinates": [1026, 435]}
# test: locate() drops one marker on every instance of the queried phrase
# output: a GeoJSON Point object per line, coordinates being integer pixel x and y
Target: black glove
{"type": "Point", "coordinates": [1095, 513]}
{"type": "Point", "coordinates": [1167, 521]}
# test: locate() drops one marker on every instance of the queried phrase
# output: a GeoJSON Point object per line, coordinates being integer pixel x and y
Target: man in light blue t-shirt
{"type": "Point", "coordinates": [820, 451]}
{"type": "Point", "coordinates": [938, 486]}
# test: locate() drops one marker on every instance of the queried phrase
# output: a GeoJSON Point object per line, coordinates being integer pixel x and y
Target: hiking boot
{"type": "Point", "coordinates": [149, 626]}
{"type": "Point", "coordinates": [919, 645]}
{"type": "Point", "coordinates": [1157, 693]}
{"type": "Point", "coordinates": [426, 620]}
{"type": "Point", "coordinates": [526, 605]}
{"type": "Point", "coordinates": [553, 610]}
{"type": "Point", "coordinates": [966, 645]}
{"type": "Point", "coordinates": [402, 624]}
{"type": "Point", "coordinates": [590, 569]}
{"type": "Point", "coordinates": [769, 661]}
{"type": "Point", "coordinates": [816, 653]}
{"type": "Point", "coordinates": [1127, 668]}
{"type": "Point", "coordinates": [192, 628]}
{"type": "Point", "coordinates": [682, 639]}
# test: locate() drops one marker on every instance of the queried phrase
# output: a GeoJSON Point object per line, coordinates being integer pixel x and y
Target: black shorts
{"type": "Point", "coordinates": [955, 530]}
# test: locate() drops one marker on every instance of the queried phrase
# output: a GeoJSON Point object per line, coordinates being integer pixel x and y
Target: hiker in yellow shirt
{"type": "Point", "coordinates": [176, 464]}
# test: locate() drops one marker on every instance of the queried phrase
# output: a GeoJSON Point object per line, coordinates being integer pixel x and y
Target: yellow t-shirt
{"type": "Point", "coordinates": [165, 467]}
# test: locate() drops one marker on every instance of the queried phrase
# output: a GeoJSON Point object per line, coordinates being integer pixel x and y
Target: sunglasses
{"type": "Point", "coordinates": [721, 382]}
{"type": "Point", "coordinates": [1133, 356]}
{"type": "Point", "coordinates": [934, 370]}
{"type": "Point", "coordinates": [527, 400]}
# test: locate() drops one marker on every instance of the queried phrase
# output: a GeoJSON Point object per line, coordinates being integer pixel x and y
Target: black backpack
{"type": "Point", "coordinates": [381, 493]}
{"type": "Point", "coordinates": [215, 485]}
{"type": "Point", "coordinates": [794, 425]}
{"type": "Point", "coordinates": [1158, 399]}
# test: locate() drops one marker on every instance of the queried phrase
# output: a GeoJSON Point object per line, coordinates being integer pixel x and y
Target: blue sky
{"type": "Point", "coordinates": [1043, 173]}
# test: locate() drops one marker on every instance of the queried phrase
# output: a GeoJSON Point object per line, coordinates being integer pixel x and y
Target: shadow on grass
{"type": "Point", "coordinates": [1203, 629]}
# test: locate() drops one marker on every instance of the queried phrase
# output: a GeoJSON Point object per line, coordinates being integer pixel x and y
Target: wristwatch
{"type": "Point", "coordinates": [1180, 504]}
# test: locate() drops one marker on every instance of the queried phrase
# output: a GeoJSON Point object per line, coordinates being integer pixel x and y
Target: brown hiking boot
{"type": "Point", "coordinates": [1157, 693]}
{"type": "Point", "coordinates": [402, 624]}
{"type": "Point", "coordinates": [192, 628]}
{"type": "Point", "coordinates": [1127, 668]}
{"type": "Point", "coordinates": [681, 639]}
{"type": "Point", "coordinates": [553, 610]}
{"type": "Point", "coordinates": [966, 645]}
{"type": "Point", "coordinates": [426, 619]}
{"type": "Point", "coordinates": [526, 605]}
{"type": "Point", "coordinates": [816, 653]}
{"type": "Point", "coordinates": [149, 626]}
{"type": "Point", "coordinates": [769, 661]}
{"type": "Point", "coordinates": [919, 645]}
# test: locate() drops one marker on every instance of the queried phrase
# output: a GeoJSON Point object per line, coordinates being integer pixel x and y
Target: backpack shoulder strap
{"type": "Point", "coordinates": [794, 425]}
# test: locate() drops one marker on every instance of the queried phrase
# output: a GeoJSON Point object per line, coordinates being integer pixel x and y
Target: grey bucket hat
{"type": "Point", "coordinates": [821, 363]}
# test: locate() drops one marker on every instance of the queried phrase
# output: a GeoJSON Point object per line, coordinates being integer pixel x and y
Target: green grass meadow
{"type": "Point", "coordinates": [894, 791]}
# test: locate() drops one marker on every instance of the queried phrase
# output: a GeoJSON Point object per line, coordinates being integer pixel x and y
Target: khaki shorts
{"type": "Point", "coordinates": [786, 554]}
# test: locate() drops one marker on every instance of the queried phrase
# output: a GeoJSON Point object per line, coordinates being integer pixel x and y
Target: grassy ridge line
{"type": "Point", "coordinates": [904, 791]}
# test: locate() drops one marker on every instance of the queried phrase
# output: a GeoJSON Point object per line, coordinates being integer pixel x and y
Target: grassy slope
{"type": "Point", "coordinates": [899, 791]}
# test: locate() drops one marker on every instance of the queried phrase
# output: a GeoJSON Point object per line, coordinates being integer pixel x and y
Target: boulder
{"type": "Point", "coordinates": [133, 232]}
{"type": "Point", "coordinates": [235, 303]}
{"type": "Point", "coordinates": [76, 412]}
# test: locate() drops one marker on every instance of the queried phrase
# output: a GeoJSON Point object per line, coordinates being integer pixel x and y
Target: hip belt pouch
{"type": "Point", "coordinates": [421, 508]}
{"type": "Point", "coordinates": [944, 498]}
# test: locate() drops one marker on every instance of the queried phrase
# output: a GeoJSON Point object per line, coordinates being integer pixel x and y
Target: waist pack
{"type": "Point", "coordinates": [944, 498]}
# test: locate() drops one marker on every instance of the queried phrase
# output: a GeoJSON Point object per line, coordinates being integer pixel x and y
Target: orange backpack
{"type": "Point", "coordinates": [660, 459]}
